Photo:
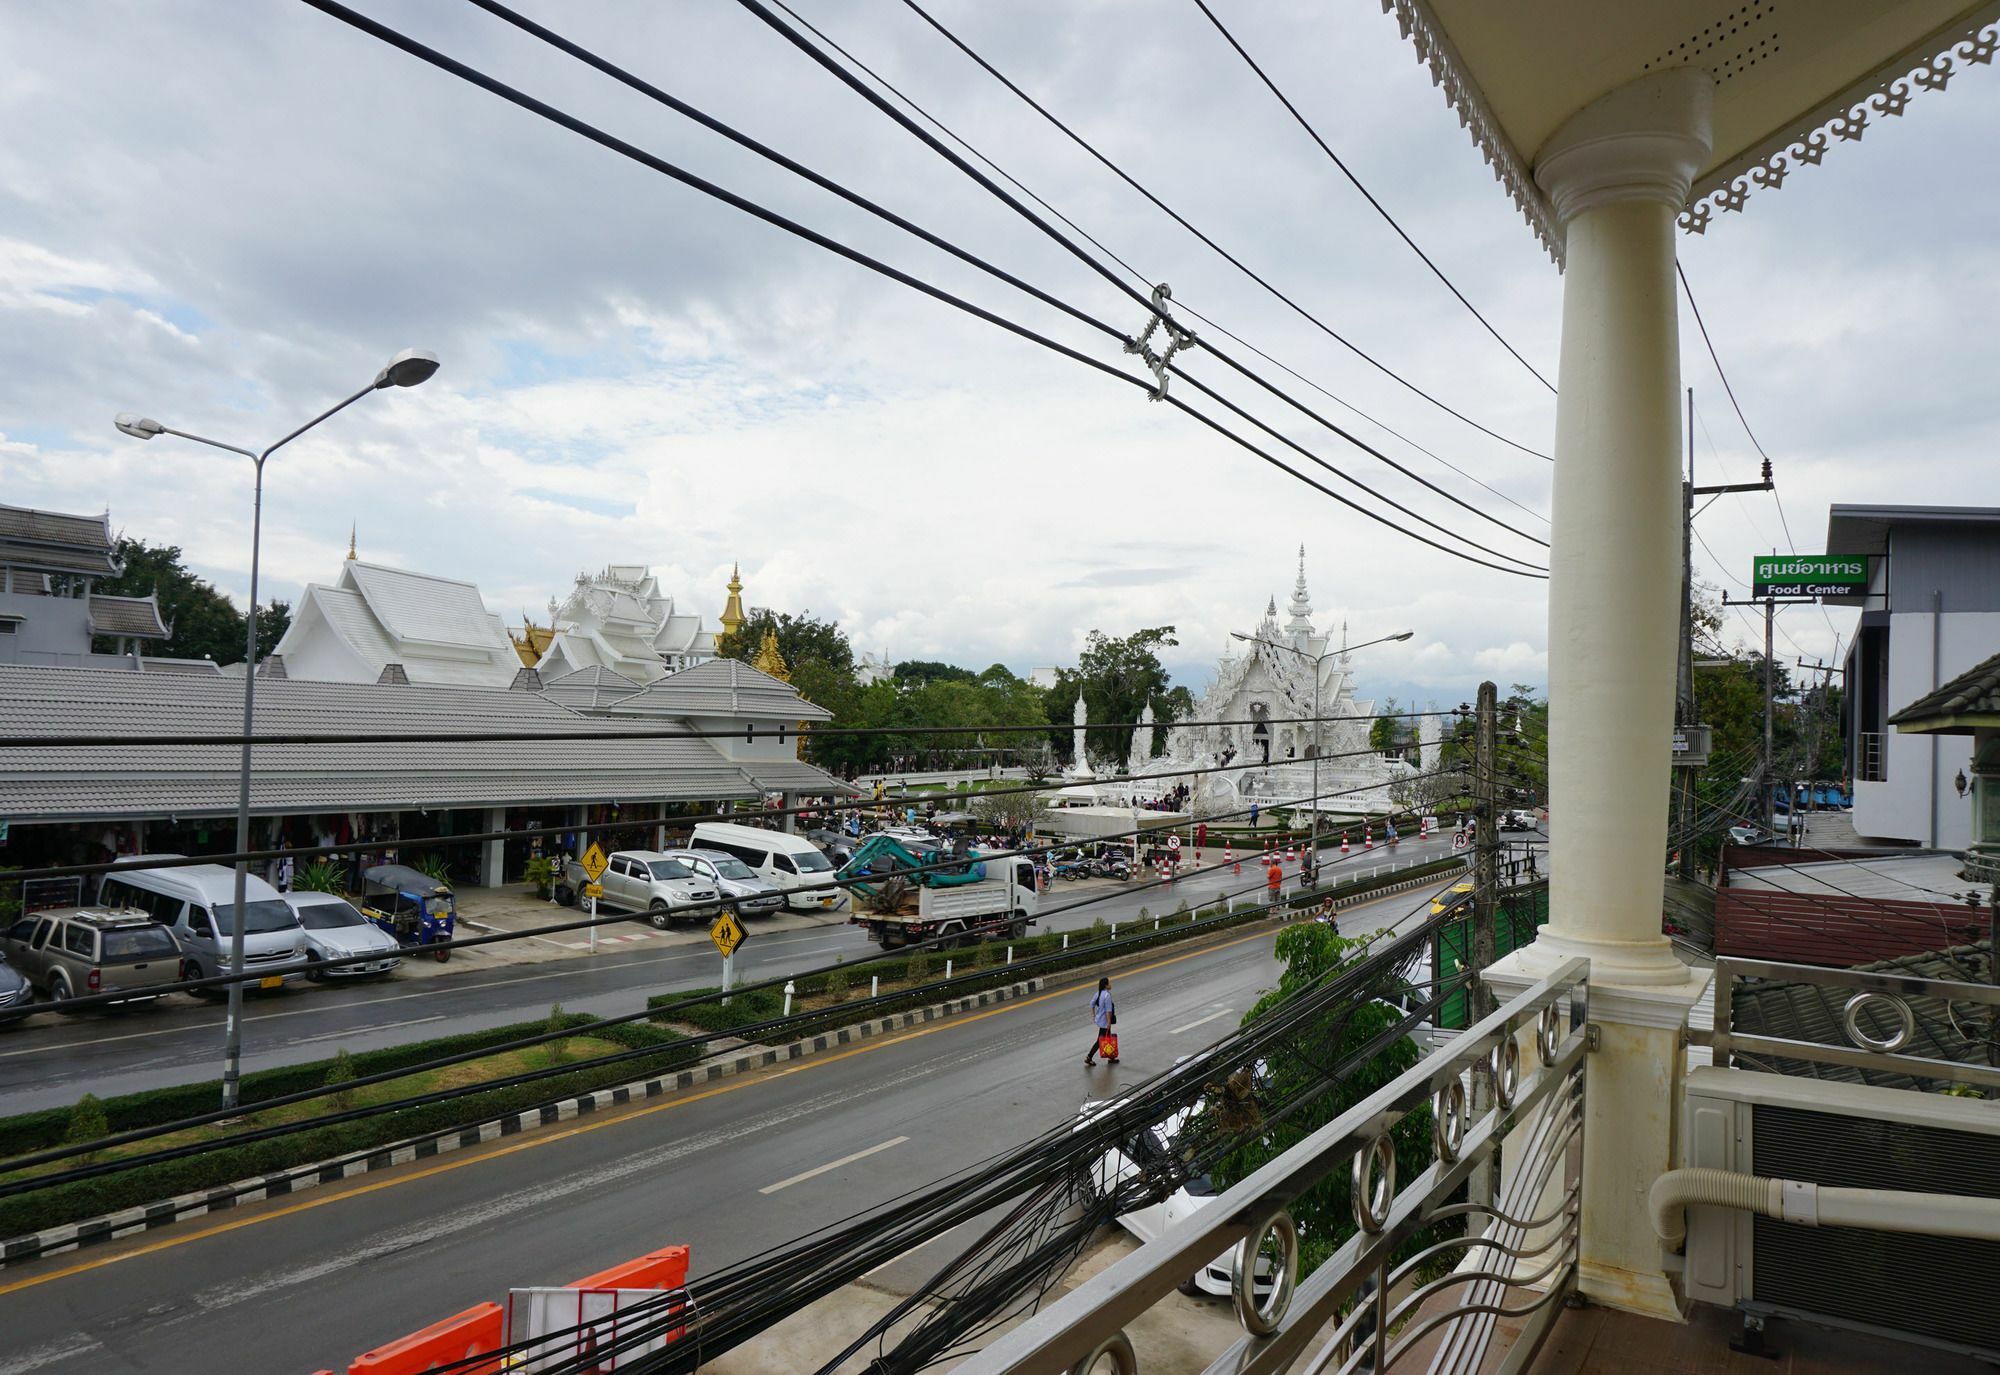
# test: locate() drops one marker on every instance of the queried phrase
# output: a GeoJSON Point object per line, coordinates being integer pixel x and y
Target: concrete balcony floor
{"type": "Point", "coordinates": [1600, 1341]}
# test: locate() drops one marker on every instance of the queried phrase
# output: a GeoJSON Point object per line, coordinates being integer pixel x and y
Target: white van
{"type": "Point", "coordinates": [197, 903]}
{"type": "Point", "coordinates": [789, 862]}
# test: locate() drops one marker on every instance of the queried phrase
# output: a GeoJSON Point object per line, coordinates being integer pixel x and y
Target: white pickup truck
{"type": "Point", "coordinates": [1004, 903]}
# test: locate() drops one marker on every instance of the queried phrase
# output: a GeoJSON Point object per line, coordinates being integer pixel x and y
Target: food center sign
{"type": "Point", "coordinates": [1809, 575]}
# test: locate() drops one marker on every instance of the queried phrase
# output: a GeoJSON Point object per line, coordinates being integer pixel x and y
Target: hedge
{"type": "Point", "coordinates": [225, 1164]}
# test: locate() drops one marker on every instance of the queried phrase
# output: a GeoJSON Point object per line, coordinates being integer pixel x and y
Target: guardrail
{"type": "Point", "coordinates": [1364, 1309]}
{"type": "Point", "coordinates": [1893, 1024]}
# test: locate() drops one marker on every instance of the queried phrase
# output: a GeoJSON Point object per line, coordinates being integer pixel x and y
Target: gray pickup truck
{"type": "Point", "coordinates": [654, 882]}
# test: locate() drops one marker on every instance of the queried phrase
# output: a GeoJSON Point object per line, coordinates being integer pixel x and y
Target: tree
{"type": "Point", "coordinates": [206, 624]}
{"type": "Point", "coordinates": [800, 638]}
{"type": "Point", "coordinates": [915, 671]}
{"type": "Point", "coordinates": [1009, 810]}
{"type": "Point", "coordinates": [1386, 731]}
{"type": "Point", "coordinates": [1117, 677]}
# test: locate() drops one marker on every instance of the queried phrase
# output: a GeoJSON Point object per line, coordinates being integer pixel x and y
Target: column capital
{"type": "Point", "coordinates": [1642, 142]}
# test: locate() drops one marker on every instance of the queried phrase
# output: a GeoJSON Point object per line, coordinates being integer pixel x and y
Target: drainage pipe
{"type": "Point", "coordinates": [1817, 1205]}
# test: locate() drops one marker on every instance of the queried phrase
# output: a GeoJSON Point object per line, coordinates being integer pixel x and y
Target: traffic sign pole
{"type": "Point", "coordinates": [728, 976]}
{"type": "Point", "coordinates": [593, 926]}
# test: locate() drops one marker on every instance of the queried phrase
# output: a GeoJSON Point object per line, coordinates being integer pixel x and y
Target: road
{"type": "Point", "coordinates": [52, 1061]}
{"type": "Point", "coordinates": [293, 1285]}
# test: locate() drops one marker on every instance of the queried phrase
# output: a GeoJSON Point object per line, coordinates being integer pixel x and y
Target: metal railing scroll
{"type": "Point", "coordinates": [1365, 1308]}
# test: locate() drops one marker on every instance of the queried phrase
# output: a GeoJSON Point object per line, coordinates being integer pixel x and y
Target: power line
{"type": "Point", "coordinates": [578, 126]}
{"type": "Point", "coordinates": [1113, 254]}
{"type": "Point", "coordinates": [1182, 220]}
{"type": "Point", "coordinates": [1366, 194]}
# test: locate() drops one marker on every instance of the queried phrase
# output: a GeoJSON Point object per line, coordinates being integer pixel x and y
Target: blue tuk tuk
{"type": "Point", "coordinates": [410, 905]}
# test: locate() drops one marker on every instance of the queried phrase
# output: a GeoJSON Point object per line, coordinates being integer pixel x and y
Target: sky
{"type": "Point", "coordinates": [227, 215]}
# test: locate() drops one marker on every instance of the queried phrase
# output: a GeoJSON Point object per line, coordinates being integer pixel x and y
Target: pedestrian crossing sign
{"type": "Point", "coordinates": [726, 934]}
{"type": "Point", "coordinates": [594, 862]}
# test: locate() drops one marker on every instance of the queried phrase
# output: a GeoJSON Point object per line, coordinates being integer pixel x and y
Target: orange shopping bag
{"type": "Point", "coordinates": [1107, 1044]}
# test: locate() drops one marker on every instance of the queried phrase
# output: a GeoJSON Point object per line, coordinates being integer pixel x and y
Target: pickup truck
{"type": "Point", "coordinates": [1001, 904]}
{"type": "Point", "coordinates": [654, 882]}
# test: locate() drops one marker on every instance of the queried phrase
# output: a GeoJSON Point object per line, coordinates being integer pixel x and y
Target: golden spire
{"type": "Point", "coordinates": [350, 542]}
{"type": "Point", "coordinates": [769, 660]}
{"type": "Point", "coordinates": [732, 610]}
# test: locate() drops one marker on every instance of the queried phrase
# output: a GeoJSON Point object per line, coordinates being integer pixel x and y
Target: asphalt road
{"type": "Point", "coordinates": [52, 1061]}
{"type": "Point", "coordinates": [293, 1285]}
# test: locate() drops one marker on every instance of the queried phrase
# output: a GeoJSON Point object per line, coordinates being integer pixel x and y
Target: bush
{"type": "Point", "coordinates": [87, 1123]}
{"type": "Point", "coordinates": [834, 985]}
{"type": "Point", "coordinates": [557, 1050]}
{"type": "Point", "coordinates": [321, 876]}
{"type": "Point", "coordinates": [917, 967]}
{"type": "Point", "coordinates": [342, 1073]}
{"type": "Point", "coordinates": [540, 874]}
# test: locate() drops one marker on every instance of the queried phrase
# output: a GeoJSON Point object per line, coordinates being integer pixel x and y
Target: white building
{"type": "Point", "coordinates": [1931, 612]}
{"type": "Point", "coordinates": [377, 623]}
{"type": "Point", "coordinates": [620, 620]}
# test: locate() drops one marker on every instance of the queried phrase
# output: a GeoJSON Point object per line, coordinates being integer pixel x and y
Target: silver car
{"type": "Point", "coordinates": [740, 886]}
{"type": "Point", "coordinates": [336, 931]}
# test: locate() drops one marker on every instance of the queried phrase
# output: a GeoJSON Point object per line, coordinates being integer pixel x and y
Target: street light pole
{"type": "Point", "coordinates": [406, 369]}
{"type": "Point", "coordinates": [1318, 662]}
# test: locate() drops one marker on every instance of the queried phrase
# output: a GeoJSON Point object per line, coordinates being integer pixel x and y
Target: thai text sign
{"type": "Point", "coordinates": [1808, 575]}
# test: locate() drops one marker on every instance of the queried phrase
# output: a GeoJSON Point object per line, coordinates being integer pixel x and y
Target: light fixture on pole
{"type": "Point", "coordinates": [1317, 661]}
{"type": "Point", "coordinates": [406, 369]}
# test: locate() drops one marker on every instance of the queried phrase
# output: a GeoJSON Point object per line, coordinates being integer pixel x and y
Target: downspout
{"type": "Point", "coordinates": [1817, 1205]}
{"type": "Point", "coordinates": [1937, 681]}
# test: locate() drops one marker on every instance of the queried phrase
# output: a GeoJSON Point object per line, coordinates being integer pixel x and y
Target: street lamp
{"type": "Point", "coordinates": [1317, 662]}
{"type": "Point", "coordinates": [406, 369]}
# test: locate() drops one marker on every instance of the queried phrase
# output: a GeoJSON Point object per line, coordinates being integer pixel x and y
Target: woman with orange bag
{"type": "Point", "coordinates": [1103, 1040]}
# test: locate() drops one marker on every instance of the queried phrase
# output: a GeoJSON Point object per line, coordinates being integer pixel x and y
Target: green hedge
{"type": "Point", "coordinates": [225, 1164]}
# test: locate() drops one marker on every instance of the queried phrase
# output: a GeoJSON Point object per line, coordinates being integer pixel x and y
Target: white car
{"type": "Point", "coordinates": [336, 931]}
{"type": "Point", "coordinates": [1130, 1158]}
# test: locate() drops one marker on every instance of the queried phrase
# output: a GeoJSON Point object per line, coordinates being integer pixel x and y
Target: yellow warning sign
{"type": "Point", "coordinates": [726, 934]}
{"type": "Point", "coordinates": [594, 862]}
{"type": "Point", "coordinates": [593, 890]}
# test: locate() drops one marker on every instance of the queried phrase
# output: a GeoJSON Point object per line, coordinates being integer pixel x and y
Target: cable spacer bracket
{"type": "Point", "coordinates": [1177, 339]}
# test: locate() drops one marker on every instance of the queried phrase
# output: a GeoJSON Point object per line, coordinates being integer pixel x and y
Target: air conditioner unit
{"type": "Point", "coordinates": [1934, 1290]}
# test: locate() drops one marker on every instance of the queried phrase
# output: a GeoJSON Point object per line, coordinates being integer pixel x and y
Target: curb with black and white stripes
{"type": "Point", "coordinates": [75, 1235]}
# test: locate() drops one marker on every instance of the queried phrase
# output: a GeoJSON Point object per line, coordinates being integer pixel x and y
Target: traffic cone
{"type": "Point", "coordinates": [1291, 854]}
{"type": "Point", "coordinates": [1229, 858]}
{"type": "Point", "coordinates": [1368, 837]}
{"type": "Point", "coordinates": [1343, 842]}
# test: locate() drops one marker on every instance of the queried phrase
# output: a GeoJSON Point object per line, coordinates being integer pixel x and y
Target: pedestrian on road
{"type": "Point", "coordinates": [1274, 879]}
{"type": "Point", "coordinates": [1103, 1016]}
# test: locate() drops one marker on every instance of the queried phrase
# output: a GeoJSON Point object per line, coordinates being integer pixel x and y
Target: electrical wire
{"type": "Point", "coordinates": [1366, 194]}
{"type": "Point", "coordinates": [1181, 220]}
{"type": "Point", "coordinates": [578, 126]}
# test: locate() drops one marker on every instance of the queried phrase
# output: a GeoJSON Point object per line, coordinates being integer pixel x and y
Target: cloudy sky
{"type": "Point", "coordinates": [225, 215]}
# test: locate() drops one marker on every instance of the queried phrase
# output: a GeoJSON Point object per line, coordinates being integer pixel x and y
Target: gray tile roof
{"type": "Point", "coordinates": [793, 775]}
{"type": "Point", "coordinates": [1814, 1013]}
{"type": "Point", "coordinates": [592, 688]}
{"type": "Point", "coordinates": [729, 687]}
{"type": "Point", "coordinates": [51, 784]}
{"type": "Point", "coordinates": [1973, 692]}
{"type": "Point", "coordinates": [55, 527]}
{"type": "Point", "coordinates": [138, 617]}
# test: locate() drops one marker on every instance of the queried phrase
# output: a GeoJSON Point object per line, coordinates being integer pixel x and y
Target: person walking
{"type": "Point", "coordinates": [1103, 1016]}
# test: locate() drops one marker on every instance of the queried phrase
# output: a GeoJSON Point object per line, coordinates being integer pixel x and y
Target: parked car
{"type": "Point", "coordinates": [789, 863]}
{"type": "Point", "coordinates": [336, 930]}
{"type": "Point", "coordinates": [1750, 835]}
{"type": "Point", "coordinates": [659, 883]}
{"type": "Point", "coordinates": [739, 885]}
{"type": "Point", "coordinates": [837, 846]}
{"type": "Point", "coordinates": [197, 903]}
{"type": "Point", "coordinates": [72, 952]}
{"type": "Point", "coordinates": [16, 993]}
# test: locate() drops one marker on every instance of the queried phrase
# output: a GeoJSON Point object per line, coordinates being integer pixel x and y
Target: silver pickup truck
{"type": "Point", "coordinates": [654, 882]}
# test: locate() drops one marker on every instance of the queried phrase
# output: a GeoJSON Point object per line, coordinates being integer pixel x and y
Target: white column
{"type": "Point", "coordinates": [1617, 173]}
{"type": "Point", "coordinates": [493, 853]}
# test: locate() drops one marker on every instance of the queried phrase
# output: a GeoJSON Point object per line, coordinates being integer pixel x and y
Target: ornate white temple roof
{"type": "Point", "coordinates": [619, 619]}
{"type": "Point", "coordinates": [438, 629]}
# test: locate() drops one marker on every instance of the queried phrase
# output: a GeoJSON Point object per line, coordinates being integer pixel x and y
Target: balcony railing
{"type": "Point", "coordinates": [1364, 1309]}
{"type": "Point", "coordinates": [1896, 1030]}
{"type": "Point", "coordinates": [1871, 757]}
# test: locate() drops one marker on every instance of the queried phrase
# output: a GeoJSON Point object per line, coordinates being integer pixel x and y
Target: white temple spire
{"type": "Point", "coordinates": [1300, 627]}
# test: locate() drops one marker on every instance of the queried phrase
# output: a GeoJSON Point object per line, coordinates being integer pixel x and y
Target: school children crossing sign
{"type": "Point", "coordinates": [726, 934]}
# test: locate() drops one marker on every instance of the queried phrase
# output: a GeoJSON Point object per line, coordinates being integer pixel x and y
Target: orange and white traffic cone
{"type": "Point", "coordinates": [1368, 838]}
{"type": "Point", "coordinates": [1343, 842]}
{"type": "Point", "coordinates": [1229, 858]}
{"type": "Point", "coordinates": [1291, 854]}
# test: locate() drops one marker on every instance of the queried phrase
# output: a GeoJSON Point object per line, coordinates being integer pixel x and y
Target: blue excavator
{"type": "Point", "coordinates": [882, 858]}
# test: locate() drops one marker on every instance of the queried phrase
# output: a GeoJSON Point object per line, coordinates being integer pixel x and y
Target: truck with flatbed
{"type": "Point", "coordinates": [903, 896]}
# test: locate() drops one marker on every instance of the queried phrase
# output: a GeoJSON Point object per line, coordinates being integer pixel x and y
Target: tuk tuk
{"type": "Point", "coordinates": [410, 905]}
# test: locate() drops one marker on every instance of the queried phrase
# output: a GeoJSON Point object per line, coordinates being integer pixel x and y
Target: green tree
{"type": "Point", "coordinates": [801, 638]}
{"type": "Point", "coordinates": [1314, 952]}
{"type": "Point", "coordinates": [1386, 730]}
{"type": "Point", "coordinates": [1117, 677]}
{"type": "Point", "coordinates": [87, 1123]}
{"type": "Point", "coordinates": [930, 671]}
{"type": "Point", "coordinates": [206, 624]}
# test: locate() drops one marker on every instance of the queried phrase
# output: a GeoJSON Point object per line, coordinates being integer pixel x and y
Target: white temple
{"type": "Point", "coordinates": [1266, 689]}
{"type": "Point", "coordinates": [377, 623]}
{"type": "Point", "coordinates": [620, 620]}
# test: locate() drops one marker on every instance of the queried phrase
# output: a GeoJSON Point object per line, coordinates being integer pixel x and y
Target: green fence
{"type": "Point", "coordinates": [1520, 913]}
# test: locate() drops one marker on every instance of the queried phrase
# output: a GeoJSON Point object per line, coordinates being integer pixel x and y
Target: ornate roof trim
{"type": "Point", "coordinates": [1462, 94]}
{"type": "Point", "coordinates": [1926, 66]}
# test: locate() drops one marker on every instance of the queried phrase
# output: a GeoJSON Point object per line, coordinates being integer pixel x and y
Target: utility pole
{"type": "Point", "coordinates": [1770, 683]}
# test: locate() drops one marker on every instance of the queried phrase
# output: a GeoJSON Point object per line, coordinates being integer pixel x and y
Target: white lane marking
{"type": "Point", "coordinates": [48, 1354]}
{"type": "Point", "coordinates": [364, 1030]}
{"type": "Point", "coordinates": [1201, 1021]}
{"type": "Point", "coordinates": [253, 1019]}
{"type": "Point", "coordinates": [818, 1170]}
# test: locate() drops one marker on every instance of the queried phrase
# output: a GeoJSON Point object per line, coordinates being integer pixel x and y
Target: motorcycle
{"type": "Point", "coordinates": [1111, 866]}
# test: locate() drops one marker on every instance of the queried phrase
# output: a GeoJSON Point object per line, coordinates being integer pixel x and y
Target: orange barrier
{"type": "Point", "coordinates": [474, 1332]}
{"type": "Point", "coordinates": [662, 1269]}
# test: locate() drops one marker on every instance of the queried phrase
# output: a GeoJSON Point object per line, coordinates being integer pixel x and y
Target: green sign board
{"type": "Point", "coordinates": [1809, 575]}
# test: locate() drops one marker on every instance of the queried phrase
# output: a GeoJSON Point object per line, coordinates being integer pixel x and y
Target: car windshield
{"type": "Point", "coordinates": [262, 917]}
{"type": "Point", "coordinates": [138, 943]}
{"type": "Point", "coordinates": [671, 868]}
{"type": "Point", "coordinates": [731, 868]}
{"type": "Point", "coordinates": [811, 862]}
{"type": "Point", "coordinates": [329, 916]}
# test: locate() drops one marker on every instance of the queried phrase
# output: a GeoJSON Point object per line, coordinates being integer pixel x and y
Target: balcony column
{"type": "Point", "coordinates": [1617, 173]}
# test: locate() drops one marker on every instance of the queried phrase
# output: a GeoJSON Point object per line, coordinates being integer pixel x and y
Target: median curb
{"type": "Point", "coordinates": [145, 1217]}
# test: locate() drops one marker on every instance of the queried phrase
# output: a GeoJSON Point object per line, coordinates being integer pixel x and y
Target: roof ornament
{"type": "Point", "coordinates": [351, 554]}
{"type": "Point", "coordinates": [1177, 339]}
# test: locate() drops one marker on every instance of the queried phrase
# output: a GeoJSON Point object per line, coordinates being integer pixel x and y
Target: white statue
{"type": "Point", "coordinates": [1079, 761]}
{"type": "Point", "coordinates": [1144, 739]}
